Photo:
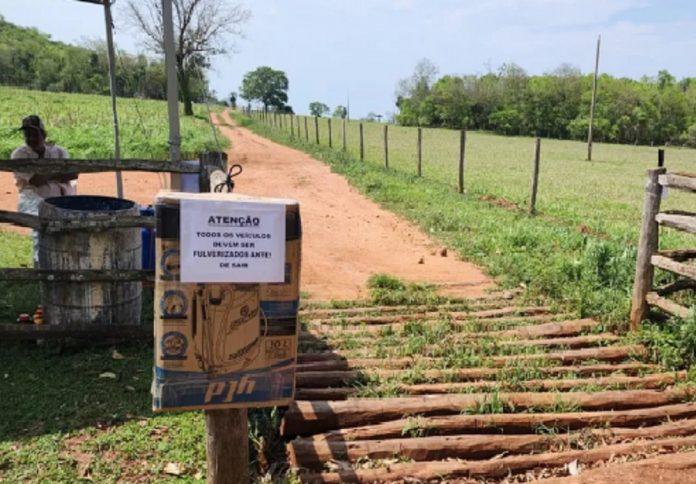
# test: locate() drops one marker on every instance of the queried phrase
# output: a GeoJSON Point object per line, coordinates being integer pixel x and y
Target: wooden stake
{"type": "Point", "coordinates": [362, 144]}
{"type": "Point", "coordinates": [594, 99]}
{"type": "Point", "coordinates": [535, 177]}
{"type": "Point", "coordinates": [292, 126]}
{"type": "Point", "coordinates": [227, 446]}
{"type": "Point", "coordinates": [227, 440]}
{"type": "Point", "coordinates": [647, 246]}
{"type": "Point", "coordinates": [660, 158]}
{"type": "Point", "coordinates": [306, 131]}
{"type": "Point", "coordinates": [330, 135]}
{"type": "Point", "coordinates": [420, 151]}
{"type": "Point", "coordinates": [345, 144]}
{"type": "Point", "coordinates": [386, 146]}
{"type": "Point", "coordinates": [316, 128]}
{"type": "Point", "coordinates": [462, 149]}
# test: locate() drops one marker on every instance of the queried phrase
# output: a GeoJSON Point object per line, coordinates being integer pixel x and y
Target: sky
{"type": "Point", "coordinates": [335, 50]}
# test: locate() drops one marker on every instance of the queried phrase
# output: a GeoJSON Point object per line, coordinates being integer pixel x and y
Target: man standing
{"type": "Point", "coordinates": [34, 187]}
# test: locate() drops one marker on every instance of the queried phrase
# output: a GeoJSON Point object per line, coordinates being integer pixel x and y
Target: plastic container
{"type": "Point", "coordinates": [148, 236]}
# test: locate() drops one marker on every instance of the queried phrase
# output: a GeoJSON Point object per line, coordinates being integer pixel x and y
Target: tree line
{"type": "Point", "coordinates": [651, 110]}
{"type": "Point", "coordinates": [30, 59]}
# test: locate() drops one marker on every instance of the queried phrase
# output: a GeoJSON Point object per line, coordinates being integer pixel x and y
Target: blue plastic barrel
{"type": "Point", "coordinates": [148, 235]}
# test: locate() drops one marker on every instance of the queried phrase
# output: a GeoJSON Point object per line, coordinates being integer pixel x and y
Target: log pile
{"type": "Point", "coordinates": [383, 397]}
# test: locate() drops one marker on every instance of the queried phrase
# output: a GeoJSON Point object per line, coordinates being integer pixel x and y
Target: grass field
{"type": "Point", "coordinates": [604, 195]}
{"type": "Point", "coordinates": [83, 124]}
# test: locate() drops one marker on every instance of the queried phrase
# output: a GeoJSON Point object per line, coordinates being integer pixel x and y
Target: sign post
{"type": "Point", "coordinates": [226, 301]}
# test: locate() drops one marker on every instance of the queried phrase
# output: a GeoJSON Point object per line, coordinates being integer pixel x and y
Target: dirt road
{"type": "Point", "coordinates": [347, 237]}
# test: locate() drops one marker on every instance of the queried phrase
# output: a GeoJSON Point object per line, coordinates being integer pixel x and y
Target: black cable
{"type": "Point", "coordinates": [228, 184]}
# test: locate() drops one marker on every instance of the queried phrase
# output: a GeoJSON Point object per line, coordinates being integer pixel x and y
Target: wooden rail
{"type": "Point", "coordinates": [112, 275]}
{"type": "Point", "coordinates": [56, 167]}
{"type": "Point", "coordinates": [649, 256]}
{"type": "Point", "coordinates": [97, 222]}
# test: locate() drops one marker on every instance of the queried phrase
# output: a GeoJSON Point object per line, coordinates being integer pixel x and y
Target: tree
{"type": "Point", "coordinates": [266, 85]}
{"type": "Point", "coordinates": [317, 108]}
{"type": "Point", "coordinates": [233, 100]}
{"type": "Point", "coordinates": [340, 112]}
{"type": "Point", "coordinates": [201, 30]}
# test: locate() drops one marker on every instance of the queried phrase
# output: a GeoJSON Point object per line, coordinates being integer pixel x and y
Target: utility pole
{"type": "Point", "coordinates": [172, 90]}
{"type": "Point", "coordinates": [594, 100]}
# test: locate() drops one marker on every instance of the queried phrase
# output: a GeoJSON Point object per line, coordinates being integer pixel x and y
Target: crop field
{"type": "Point", "coordinates": [604, 195]}
{"type": "Point", "coordinates": [83, 124]}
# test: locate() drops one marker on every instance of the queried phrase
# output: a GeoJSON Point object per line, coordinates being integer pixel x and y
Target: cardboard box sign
{"type": "Point", "coordinates": [215, 346]}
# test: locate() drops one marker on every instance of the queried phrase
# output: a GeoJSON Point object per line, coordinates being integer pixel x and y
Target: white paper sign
{"type": "Point", "coordinates": [232, 241]}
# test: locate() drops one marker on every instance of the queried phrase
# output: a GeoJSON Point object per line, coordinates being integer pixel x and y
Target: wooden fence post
{"type": "Point", "coordinates": [386, 147]}
{"type": "Point", "coordinates": [227, 439]}
{"type": "Point", "coordinates": [345, 144]}
{"type": "Point", "coordinates": [316, 128]}
{"type": "Point", "coordinates": [306, 131]}
{"type": "Point", "coordinates": [535, 177]}
{"type": "Point", "coordinates": [420, 151]}
{"type": "Point", "coordinates": [660, 158]}
{"type": "Point", "coordinates": [462, 151]}
{"type": "Point", "coordinates": [292, 126]}
{"type": "Point", "coordinates": [648, 244]}
{"type": "Point", "coordinates": [330, 140]}
{"type": "Point", "coordinates": [227, 446]}
{"type": "Point", "coordinates": [362, 144]}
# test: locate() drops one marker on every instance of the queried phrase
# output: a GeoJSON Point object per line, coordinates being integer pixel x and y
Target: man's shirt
{"type": "Point", "coordinates": [50, 189]}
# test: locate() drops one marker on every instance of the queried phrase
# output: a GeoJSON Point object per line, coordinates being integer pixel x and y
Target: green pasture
{"type": "Point", "coordinates": [83, 124]}
{"type": "Point", "coordinates": [603, 196]}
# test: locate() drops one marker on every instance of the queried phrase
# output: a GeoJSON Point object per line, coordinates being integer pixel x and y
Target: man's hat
{"type": "Point", "coordinates": [33, 122]}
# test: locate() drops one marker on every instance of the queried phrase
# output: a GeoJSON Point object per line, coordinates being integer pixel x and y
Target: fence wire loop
{"type": "Point", "coordinates": [228, 184]}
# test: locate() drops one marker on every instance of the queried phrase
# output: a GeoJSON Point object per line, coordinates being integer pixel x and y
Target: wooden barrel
{"type": "Point", "coordinates": [90, 302]}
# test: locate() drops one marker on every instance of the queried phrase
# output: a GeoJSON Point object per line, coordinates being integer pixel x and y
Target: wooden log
{"type": "Point", "coordinates": [676, 286]}
{"type": "Point", "coordinates": [563, 328]}
{"type": "Point", "coordinates": [306, 418]}
{"type": "Point", "coordinates": [336, 361]}
{"type": "Point", "coordinates": [58, 167]}
{"type": "Point", "coordinates": [94, 332]}
{"type": "Point", "coordinates": [686, 223]}
{"type": "Point", "coordinates": [312, 454]}
{"type": "Point", "coordinates": [670, 265]}
{"type": "Point", "coordinates": [481, 324]}
{"type": "Point", "coordinates": [115, 275]}
{"type": "Point", "coordinates": [323, 378]}
{"type": "Point", "coordinates": [678, 254]}
{"type": "Point", "coordinates": [647, 246]}
{"type": "Point", "coordinates": [449, 470]}
{"type": "Point", "coordinates": [512, 422]}
{"type": "Point", "coordinates": [650, 382]}
{"type": "Point", "coordinates": [318, 313]}
{"type": "Point", "coordinates": [572, 342]}
{"type": "Point", "coordinates": [670, 307]}
{"type": "Point", "coordinates": [486, 324]}
{"type": "Point", "coordinates": [227, 447]}
{"type": "Point", "coordinates": [681, 181]}
{"type": "Point", "coordinates": [456, 315]}
{"type": "Point", "coordinates": [21, 219]}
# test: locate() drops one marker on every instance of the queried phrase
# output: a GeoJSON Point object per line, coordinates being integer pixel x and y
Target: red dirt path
{"type": "Point", "coordinates": [346, 237]}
